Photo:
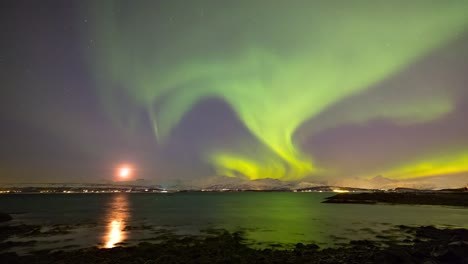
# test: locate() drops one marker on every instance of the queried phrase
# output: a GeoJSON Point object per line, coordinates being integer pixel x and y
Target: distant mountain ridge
{"type": "Point", "coordinates": [219, 183]}
{"type": "Point", "coordinates": [375, 183]}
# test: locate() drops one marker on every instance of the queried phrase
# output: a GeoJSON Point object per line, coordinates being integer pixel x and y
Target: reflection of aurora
{"type": "Point", "coordinates": [285, 218]}
{"type": "Point", "coordinates": [116, 217]}
{"type": "Point", "coordinates": [277, 66]}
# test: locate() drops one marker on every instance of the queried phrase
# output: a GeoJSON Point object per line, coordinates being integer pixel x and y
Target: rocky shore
{"type": "Point", "coordinates": [422, 198]}
{"type": "Point", "coordinates": [429, 245]}
{"type": "Point", "coordinates": [5, 217]}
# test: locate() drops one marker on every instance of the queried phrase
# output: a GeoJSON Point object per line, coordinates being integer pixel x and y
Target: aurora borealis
{"type": "Point", "coordinates": [287, 90]}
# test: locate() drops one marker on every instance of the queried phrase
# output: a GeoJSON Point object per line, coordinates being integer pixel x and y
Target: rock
{"type": "Point", "coordinates": [439, 246]}
{"type": "Point", "coordinates": [11, 244]}
{"type": "Point", "coordinates": [395, 255]}
{"type": "Point", "coordinates": [5, 217]}
{"type": "Point", "coordinates": [459, 249]}
{"type": "Point", "coordinates": [454, 252]}
{"type": "Point", "coordinates": [361, 243]}
{"type": "Point", "coordinates": [458, 244]}
{"type": "Point", "coordinates": [312, 247]}
{"type": "Point", "coordinates": [430, 261]}
{"type": "Point", "coordinates": [9, 257]}
{"type": "Point", "coordinates": [439, 252]}
{"type": "Point", "coordinates": [300, 246]}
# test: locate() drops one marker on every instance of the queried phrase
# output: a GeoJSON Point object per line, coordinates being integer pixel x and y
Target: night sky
{"type": "Point", "coordinates": [336, 91]}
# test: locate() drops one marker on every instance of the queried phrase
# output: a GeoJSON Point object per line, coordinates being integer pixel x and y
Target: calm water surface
{"type": "Point", "coordinates": [108, 219]}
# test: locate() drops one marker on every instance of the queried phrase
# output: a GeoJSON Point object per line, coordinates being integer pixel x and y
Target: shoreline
{"type": "Point", "coordinates": [429, 245]}
{"type": "Point", "coordinates": [416, 198]}
{"type": "Point", "coordinates": [413, 244]}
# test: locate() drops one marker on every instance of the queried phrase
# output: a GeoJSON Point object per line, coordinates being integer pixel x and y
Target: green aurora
{"type": "Point", "coordinates": [278, 64]}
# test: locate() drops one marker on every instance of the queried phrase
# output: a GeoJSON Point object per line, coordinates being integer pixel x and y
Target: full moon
{"type": "Point", "coordinates": [124, 172]}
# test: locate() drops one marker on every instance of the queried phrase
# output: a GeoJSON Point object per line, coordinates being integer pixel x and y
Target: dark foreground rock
{"type": "Point", "coordinates": [432, 198]}
{"type": "Point", "coordinates": [431, 245]}
{"type": "Point", "coordinates": [31, 231]}
{"type": "Point", "coordinates": [5, 217]}
{"type": "Point", "coordinates": [17, 230]}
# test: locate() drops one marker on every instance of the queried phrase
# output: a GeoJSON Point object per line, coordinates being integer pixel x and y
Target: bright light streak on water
{"type": "Point", "coordinates": [117, 216]}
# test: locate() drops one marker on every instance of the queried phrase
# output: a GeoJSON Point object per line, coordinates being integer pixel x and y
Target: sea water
{"type": "Point", "coordinates": [264, 218]}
